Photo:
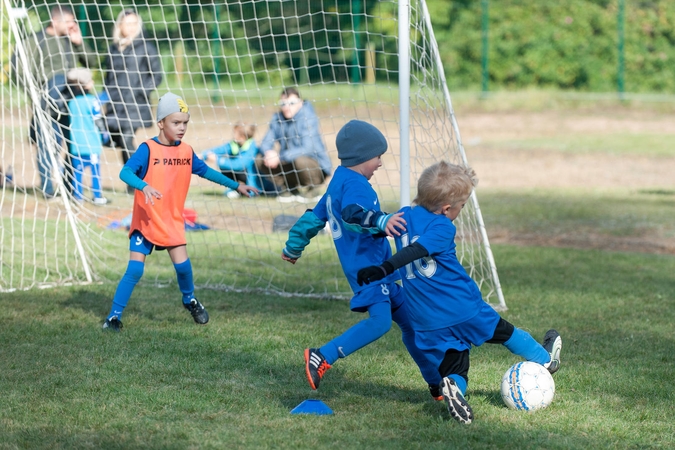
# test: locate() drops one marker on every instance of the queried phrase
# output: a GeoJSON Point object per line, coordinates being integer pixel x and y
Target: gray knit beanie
{"type": "Point", "coordinates": [358, 142]}
{"type": "Point", "coordinates": [170, 103]}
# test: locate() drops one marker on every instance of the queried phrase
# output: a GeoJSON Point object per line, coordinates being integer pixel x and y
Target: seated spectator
{"type": "Point", "coordinates": [301, 163]}
{"type": "Point", "coordinates": [236, 158]}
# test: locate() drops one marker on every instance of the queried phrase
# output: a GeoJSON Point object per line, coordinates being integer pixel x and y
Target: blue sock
{"type": "Point", "coordinates": [184, 277]}
{"type": "Point", "coordinates": [359, 335]}
{"type": "Point", "coordinates": [126, 287]}
{"type": "Point", "coordinates": [521, 343]}
{"type": "Point", "coordinates": [461, 382]}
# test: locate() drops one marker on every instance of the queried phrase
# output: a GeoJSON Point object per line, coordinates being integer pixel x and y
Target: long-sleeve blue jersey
{"type": "Point", "coordinates": [439, 292]}
{"type": "Point", "coordinates": [351, 208]}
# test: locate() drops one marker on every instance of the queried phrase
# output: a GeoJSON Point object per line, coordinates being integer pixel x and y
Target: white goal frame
{"type": "Point", "coordinates": [61, 242]}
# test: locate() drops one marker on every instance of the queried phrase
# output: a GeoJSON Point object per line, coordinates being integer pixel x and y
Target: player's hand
{"type": "Point", "coordinates": [286, 258]}
{"type": "Point", "coordinates": [151, 194]}
{"type": "Point", "coordinates": [248, 191]}
{"type": "Point", "coordinates": [370, 274]}
{"type": "Point", "coordinates": [395, 225]}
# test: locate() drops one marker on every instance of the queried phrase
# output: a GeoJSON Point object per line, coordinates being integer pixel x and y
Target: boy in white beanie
{"type": "Point", "coordinates": [160, 172]}
{"type": "Point", "coordinates": [359, 237]}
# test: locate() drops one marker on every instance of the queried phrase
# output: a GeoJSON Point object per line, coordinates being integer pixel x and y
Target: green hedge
{"type": "Point", "coordinates": [571, 44]}
{"type": "Point", "coordinates": [566, 45]}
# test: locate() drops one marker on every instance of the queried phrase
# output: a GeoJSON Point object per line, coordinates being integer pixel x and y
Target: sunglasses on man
{"type": "Point", "coordinates": [284, 103]}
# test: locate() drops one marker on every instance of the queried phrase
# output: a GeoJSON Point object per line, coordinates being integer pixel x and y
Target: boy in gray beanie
{"type": "Point", "coordinates": [160, 172]}
{"type": "Point", "coordinates": [359, 236]}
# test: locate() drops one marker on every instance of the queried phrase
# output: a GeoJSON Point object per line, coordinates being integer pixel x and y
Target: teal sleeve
{"type": "Point", "coordinates": [217, 177]}
{"type": "Point", "coordinates": [307, 226]}
{"type": "Point", "coordinates": [129, 177]}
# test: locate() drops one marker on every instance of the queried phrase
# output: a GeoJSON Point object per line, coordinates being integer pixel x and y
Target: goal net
{"type": "Point", "coordinates": [230, 62]}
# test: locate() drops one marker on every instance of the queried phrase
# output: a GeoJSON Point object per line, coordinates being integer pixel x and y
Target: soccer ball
{"type": "Point", "coordinates": [527, 386]}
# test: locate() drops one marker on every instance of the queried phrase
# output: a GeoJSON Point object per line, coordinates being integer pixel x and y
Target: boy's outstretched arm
{"type": "Point", "coordinates": [404, 256]}
{"type": "Point", "coordinates": [360, 220]}
{"type": "Point", "coordinates": [213, 175]}
{"type": "Point", "coordinates": [299, 236]}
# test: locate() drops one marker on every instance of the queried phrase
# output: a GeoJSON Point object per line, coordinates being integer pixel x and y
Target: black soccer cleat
{"type": "Point", "coordinates": [435, 391]}
{"type": "Point", "coordinates": [553, 345]}
{"type": "Point", "coordinates": [113, 324]}
{"type": "Point", "coordinates": [458, 408]}
{"type": "Point", "coordinates": [197, 311]}
{"type": "Point", "coordinates": [315, 366]}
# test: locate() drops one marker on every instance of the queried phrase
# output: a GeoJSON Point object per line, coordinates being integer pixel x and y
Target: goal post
{"type": "Point", "coordinates": [376, 61]}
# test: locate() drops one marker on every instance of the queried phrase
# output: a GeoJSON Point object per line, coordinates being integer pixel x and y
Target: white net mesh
{"type": "Point", "coordinates": [229, 61]}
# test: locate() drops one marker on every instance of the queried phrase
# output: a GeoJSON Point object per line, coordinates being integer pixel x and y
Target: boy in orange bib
{"type": "Point", "coordinates": [160, 172]}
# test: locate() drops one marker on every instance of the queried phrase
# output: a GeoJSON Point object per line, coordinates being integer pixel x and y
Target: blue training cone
{"type": "Point", "coordinates": [312, 407]}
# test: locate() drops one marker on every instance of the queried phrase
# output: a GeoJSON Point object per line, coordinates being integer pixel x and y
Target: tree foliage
{"type": "Point", "coordinates": [566, 45]}
{"type": "Point", "coordinates": [531, 43]}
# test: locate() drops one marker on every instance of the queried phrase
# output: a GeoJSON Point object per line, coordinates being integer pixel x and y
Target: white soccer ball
{"type": "Point", "coordinates": [527, 386]}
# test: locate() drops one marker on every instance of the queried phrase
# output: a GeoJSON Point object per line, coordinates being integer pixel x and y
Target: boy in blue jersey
{"type": "Point", "coordinates": [160, 172]}
{"type": "Point", "coordinates": [359, 237]}
{"type": "Point", "coordinates": [87, 134]}
{"type": "Point", "coordinates": [445, 306]}
{"type": "Point", "coordinates": [236, 158]}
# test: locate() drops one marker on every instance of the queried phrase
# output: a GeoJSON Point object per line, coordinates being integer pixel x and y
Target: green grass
{"type": "Point", "coordinates": [642, 144]}
{"type": "Point", "coordinates": [165, 382]}
{"type": "Point", "coordinates": [582, 213]}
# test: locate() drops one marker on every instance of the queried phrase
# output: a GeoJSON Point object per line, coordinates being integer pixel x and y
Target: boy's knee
{"type": "Point", "coordinates": [380, 324]}
{"type": "Point", "coordinates": [134, 270]}
{"type": "Point", "coordinates": [184, 268]}
{"type": "Point", "coordinates": [503, 332]}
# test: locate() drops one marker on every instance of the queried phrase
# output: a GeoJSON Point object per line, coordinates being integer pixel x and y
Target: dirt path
{"type": "Point", "coordinates": [513, 168]}
{"type": "Point", "coordinates": [538, 168]}
{"type": "Point", "coordinates": [492, 142]}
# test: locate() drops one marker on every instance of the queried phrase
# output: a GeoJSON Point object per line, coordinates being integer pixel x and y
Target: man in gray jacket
{"type": "Point", "coordinates": [51, 53]}
{"type": "Point", "coordinates": [301, 163]}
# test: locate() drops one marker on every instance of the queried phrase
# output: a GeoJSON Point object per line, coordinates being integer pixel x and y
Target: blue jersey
{"type": "Point", "coordinates": [439, 292]}
{"type": "Point", "coordinates": [355, 246]}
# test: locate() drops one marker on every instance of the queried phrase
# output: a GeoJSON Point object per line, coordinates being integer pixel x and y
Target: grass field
{"type": "Point", "coordinates": [165, 382]}
{"type": "Point", "coordinates": [578, 206]}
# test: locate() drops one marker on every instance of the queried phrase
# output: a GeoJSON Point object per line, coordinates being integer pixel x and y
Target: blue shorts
{"type": "Point", "coordinates": [475, 331]}
{"type": "Point", "coordinates": [138, 243]}
{"type": "Point", "coordinates": [377, 293]}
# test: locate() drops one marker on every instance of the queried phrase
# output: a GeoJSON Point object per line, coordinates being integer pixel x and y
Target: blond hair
{"type": "Point", "coordinates": [124, 42]}
{"type": "Point", "coordinates": [444, 184]}
{"type": "Point", "coordinates": [247, 130]}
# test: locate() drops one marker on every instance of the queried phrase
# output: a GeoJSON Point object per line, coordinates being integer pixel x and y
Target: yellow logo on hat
{"type": "Point", "coordinates": [182, 105]}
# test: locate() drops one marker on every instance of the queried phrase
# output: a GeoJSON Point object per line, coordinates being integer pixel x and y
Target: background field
{"type": "Point", "coordinates": [578, 200]}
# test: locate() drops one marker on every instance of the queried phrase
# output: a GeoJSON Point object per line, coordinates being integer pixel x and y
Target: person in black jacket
{"type": "Point", "coordinates": [133, 70]}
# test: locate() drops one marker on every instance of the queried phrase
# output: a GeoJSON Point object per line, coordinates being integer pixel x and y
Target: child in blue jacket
{"type": "Point", "coordinates": [236, 158]}
{"type": "Point", "coordinates": [87, 134]}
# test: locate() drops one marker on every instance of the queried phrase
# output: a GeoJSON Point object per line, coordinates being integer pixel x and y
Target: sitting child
{"type": "Point", "coordinates": [236, 159]}
{"type": "Point", "coordinates": [446, 309]}
{"type": "Point", "coordinates": [87, 135]}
